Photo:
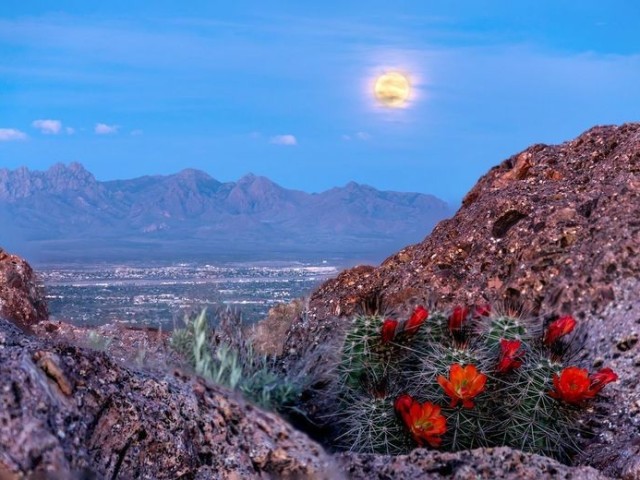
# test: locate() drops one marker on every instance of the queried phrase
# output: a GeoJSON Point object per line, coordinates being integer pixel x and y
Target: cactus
{"type": "Point", "coordinates": [505, 326]}
{"type": "Point", "coordinates": [497, 379]}
{"type": "Point", "coordinates": [423, 367]}
{"type": "Point", "coordinates": [366, 360]}
{"type": "Point", "coordinates": [533, 421]}
{"type": "Point", "coordinates": [434, 332]}
{"type": "Point", "coordinates": [370, 425]}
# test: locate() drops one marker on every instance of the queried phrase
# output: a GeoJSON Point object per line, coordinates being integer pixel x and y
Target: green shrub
{"type": "Point", "coordinates": [223, 356]}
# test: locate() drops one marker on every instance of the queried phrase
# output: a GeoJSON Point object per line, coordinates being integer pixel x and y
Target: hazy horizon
{"type": "Point", "coordinates": [210, 174]}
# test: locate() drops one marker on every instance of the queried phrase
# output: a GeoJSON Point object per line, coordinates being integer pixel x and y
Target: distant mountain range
{"type": "Point", "coordinates": [65, 214]}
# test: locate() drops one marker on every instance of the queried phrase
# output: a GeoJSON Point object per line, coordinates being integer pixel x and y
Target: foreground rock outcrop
{"type": "Point", "coordinates": [66, 412]}
{"type": "Point", "coordinates": [489, 463]}
{"type": "Point", "coordinates": [21, 299]}
{"type": "Point", "coordinates": [72, 413]}
{"type": "Point", "coordinates": [552, 230]}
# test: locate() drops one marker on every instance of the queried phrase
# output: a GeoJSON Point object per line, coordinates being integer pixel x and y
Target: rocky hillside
{"type": "Point", "coordinates": [70, 413]}
{"type": "Point", "coordinates": [552, 230]}
{"type": "Point", "coordinates": [65, 213]}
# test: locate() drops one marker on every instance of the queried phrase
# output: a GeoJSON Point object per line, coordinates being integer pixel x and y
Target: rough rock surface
{"type": "Point", "coordinates": [141, 347]}
{"type": "Point", "coordinates": [21, 299]}
{"type": "Point", "coordinates": [267, 335]}
{"type": "Point", "coordinates": [489, 463]}
{"type": "Point", "coordinates": [66, 412]}
{"type": "Point", "coordinates": [613, 341]}
{"type": "Point", "coordinates": [552, 227]}
{"type": "Point", "coordinates": [553, 230]}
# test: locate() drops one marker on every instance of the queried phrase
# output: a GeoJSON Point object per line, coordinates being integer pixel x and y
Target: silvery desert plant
{"type": "Point", "coordinates": [222, 355]}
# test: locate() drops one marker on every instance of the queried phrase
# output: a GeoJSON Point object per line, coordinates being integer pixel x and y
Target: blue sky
{"type": "Point", "coordinates": [283, 89]}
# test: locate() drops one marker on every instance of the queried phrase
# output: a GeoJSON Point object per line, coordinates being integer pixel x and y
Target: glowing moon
{"type": "Point", "coordinates": [392, 89]}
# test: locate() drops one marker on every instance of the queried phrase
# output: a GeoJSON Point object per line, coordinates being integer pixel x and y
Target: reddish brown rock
{"type": "Point", "coordinates": [552, 230]}
{"type": "Point", "coordinates": [555, 224]}
{"type": "Point", "coordinates": [489, 463]}
{"type": "Point", "coordinates": [267, 335]}
{"type": "Point", "coordinates": [68, 412]}
{"type": "Point", "coordinates": [21, 298]}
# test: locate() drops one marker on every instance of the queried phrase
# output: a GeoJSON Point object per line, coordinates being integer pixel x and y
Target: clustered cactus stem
{"type": "Point", "coordinates": [461, 379]}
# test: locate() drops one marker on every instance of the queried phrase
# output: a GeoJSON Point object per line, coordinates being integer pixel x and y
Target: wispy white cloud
{"type": "Point", "coordinates": [70, 130]}
{"type": "Point", "coordinates": [48, 127]}
{"type": "Point", "coordinates": [11, 134]}
{"type": "Point", "coordinates": [363, 136]}
{"type": "Point", "coordinates": [104, 129]}
{"type": "Point", "coordinates": [136, 133]}
{"type": "Point", "coordinates": [288, 140]}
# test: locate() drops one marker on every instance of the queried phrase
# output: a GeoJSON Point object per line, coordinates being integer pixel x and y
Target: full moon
{"type": "Point", "coordinates": [392, 89]}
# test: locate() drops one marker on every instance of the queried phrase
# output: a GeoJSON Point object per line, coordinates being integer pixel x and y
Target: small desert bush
{"type": "Point", "coordinates": [222, 355]}
{"type": "Point", "coordinates": [462, 379]}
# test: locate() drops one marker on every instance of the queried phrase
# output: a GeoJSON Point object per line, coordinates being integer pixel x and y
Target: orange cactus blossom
{"type": "Point", "coordinates": [457, 318]}
{"type": "Point", "coordinates": [463, 384]}
{"type": "Point", "coordinates": [424, 420]}
{"type": "Point", "coordinates": [418, 317]}
{"type": "Point", "coordinates": [388, 330]}
{"type": "Point", "coordinates": [572, 385]}
{"type": "Point", "coordinates": [601, 378]}
{"type": "Point", "coordinates": [559, 328]}
{"type": "Point", "coordinates": [509, 356]}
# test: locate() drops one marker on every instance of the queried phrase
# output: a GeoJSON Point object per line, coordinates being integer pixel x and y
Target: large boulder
{"type": "Point", "coordinates": [552, 230]}
{"type": "Point", "coordinates": [21, 298]}
{"type": "Point", "coordinates": [68, 412]}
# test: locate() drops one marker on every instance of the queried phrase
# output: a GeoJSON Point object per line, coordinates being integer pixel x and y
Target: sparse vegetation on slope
{"type": "Point", "coordinates": [222, 355]}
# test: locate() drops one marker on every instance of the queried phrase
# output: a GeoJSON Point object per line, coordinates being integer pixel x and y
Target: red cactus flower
{"type": "Point", "coordinates": [402, 405]}
{"type": "Point", "coordinates": [457, 318]}
{"type": "Point", "coordinates": [388, 330]}
{"type": "Point", "coordinates": [424, 420]}
{"type": "Point", "coordinates": [509, 357]}
{"type": "Point", "coordinates": [463, 384]}
{"type": "Point", "coordinates": [418, 317]}
{"type": "Point", "coordinates": [572, 385]}
{"type": "Point", "coordinates": [483, 310]}
{"type": "Point", "coordinates": [559, 328]}
{"type": "Point", "coordinates": [602, 378]}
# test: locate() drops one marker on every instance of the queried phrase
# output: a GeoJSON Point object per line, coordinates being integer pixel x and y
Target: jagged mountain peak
{"type": "Point", "coordinates": [74, 167]}
{"type": "Point", "coordinates": [193, 211]}
{"type": "Point", "coordinates": [72, 176]}
{"type": "Point", "coordinates": [252, 178]}
{"type": "Point", "coordinates": [193, 173]}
